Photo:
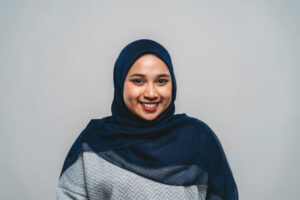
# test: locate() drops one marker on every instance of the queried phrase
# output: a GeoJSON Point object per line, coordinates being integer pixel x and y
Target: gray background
{"type": "Point", "coordinates": [236, 63]}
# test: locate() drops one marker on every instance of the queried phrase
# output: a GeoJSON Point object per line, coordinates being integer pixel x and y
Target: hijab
{"type": "Point", "coordinates": [173, 149]}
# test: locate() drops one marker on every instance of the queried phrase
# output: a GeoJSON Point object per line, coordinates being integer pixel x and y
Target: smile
{"type": "Point", "coordinates": [151, 107]}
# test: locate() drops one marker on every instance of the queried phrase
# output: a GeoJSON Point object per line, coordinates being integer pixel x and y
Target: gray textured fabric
{"type": "Point", "coordinates": [92, 177]}
{"type": "Point", "coordinates": [180, 174]}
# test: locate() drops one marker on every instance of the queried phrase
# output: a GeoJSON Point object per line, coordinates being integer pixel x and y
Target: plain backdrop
{"type": "Point", "coordinates": [236, 63]}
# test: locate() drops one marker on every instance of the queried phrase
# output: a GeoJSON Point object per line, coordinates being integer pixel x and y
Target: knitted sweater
{"type": "Point", "coordinates": [92, 177]}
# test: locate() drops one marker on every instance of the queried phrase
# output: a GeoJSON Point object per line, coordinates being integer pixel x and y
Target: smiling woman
{"type": "Point", "coordinates": [144, 150]}
{"type": "Point", "coordinates": [148, 87]}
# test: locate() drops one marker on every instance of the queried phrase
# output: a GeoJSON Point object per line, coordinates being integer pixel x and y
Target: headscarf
{"type": "Point", "coordinates": [173, 149]}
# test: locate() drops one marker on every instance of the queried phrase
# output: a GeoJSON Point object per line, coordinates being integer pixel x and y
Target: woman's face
{"type": "Point", "coordinates": [148, 87]}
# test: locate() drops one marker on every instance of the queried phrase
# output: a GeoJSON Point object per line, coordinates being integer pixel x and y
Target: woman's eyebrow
{"type": "Point", "coordinates": [164, 75]}
{"type": "Point", "coordinates": [136, 74]}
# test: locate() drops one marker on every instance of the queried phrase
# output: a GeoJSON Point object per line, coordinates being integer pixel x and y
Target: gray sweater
{"type": "Point", "coordinates": [92, 177]}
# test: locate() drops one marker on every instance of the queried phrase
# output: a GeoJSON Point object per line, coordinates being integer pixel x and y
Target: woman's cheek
{"type": "Point", "coordinates": [166, 92]}
{"type": "Point", "coordinates": [135, 92]}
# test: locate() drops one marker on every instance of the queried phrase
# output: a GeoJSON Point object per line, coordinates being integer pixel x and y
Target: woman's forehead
{"type": "Point", "coordinates": [149, 63]}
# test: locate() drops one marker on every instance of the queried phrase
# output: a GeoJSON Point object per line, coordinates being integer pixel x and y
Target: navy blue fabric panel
{"type": "Point", "coordinates": [221, 183]}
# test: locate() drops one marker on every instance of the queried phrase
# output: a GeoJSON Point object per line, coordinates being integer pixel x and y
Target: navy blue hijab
{"type": "Point", "coordinates": [173, 149]}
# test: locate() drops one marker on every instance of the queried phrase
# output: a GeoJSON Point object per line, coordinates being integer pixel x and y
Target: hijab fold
{"type": "Point", "coordinates": [173, 149]}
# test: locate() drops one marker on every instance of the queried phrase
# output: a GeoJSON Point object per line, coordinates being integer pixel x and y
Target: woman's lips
{"type": "Point", "coordinates": [150, 107]}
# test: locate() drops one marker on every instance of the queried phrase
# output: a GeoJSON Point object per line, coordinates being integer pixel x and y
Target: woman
{"type": "Point", "coordinates": [144, 150]}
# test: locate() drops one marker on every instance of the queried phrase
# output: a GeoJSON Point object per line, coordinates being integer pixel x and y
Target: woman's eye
{"type": "Point", "coordinates": [137, 81]}
{"type": "Point", "coordinates": [162, 81]}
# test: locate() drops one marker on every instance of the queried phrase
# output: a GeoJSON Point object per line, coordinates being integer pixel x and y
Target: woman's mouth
{"type": "Point", "coordinates": [150, 107]}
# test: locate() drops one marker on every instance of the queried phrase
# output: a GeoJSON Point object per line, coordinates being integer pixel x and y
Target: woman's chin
{"type": "Point", "coordinates": [149, 117]}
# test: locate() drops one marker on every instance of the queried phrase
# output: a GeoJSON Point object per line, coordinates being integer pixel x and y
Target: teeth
{"type": "Point", "coordinates": [150, 105]}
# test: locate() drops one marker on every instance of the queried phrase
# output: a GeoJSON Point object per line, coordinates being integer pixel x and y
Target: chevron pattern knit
{"type": "Point", "coordinates": [92, 177]}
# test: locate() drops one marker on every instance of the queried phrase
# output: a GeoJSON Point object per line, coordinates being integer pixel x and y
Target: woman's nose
{"type": "Point", "coordinates": [150, 92]}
